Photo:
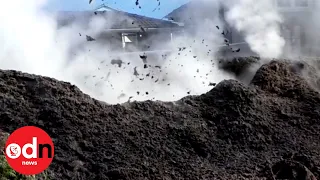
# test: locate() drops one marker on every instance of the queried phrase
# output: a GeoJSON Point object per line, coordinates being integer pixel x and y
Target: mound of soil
{"type": "Point", "coordinates": [267, 130]}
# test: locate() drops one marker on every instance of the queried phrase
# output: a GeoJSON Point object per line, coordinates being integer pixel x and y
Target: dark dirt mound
{"type": "Point", "coordinates": [268, 130]}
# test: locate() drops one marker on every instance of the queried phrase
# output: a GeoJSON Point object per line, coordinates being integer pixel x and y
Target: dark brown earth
{"type": "Point", "coordinates": [267, 130]}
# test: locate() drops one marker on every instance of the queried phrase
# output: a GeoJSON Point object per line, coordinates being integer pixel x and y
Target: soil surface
{"type": "Point", "coordinates": [269, 129]}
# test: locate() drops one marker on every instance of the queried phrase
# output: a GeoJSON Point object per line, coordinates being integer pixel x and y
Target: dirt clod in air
{"type": "Point", "coordinates": [89, 38]}
{"type": "Point", "coordinates": [118, 62]}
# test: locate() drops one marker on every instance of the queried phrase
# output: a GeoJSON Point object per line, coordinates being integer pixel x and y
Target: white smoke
{"type": "Point", "coordinates": [258, 21]}
{"type": "Point", "coordinates": [31, 43]}
{"type": "Point", "coordinates": [28, 39]}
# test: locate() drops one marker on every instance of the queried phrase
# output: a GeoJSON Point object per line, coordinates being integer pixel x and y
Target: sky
{"type": "Point", "coordinates": [147, 6]}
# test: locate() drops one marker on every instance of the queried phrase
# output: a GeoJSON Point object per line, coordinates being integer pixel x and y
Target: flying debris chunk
{"type": "Point", "coordinates": [212, 84]}
{"type": "Point", "coordinates": [223, 33]}
{"type": "Point", "coordinates": [238, 50]}
{"type": "Point", "coordinates": [137, 2]}
{"type": "Point", "coordinates": [135, 71]}
{"type": "Point", "coordinates": [130, 98]}
{"type": "Point", "coordinates": [89, 38]}
{"type": "Point", "coordinates": [119, 62]}
{"type": "Point", "coordinates": [90, 1]}
{"type": "Point", "coordinates": [121, 96]}
{"type": "Point", "coordinates": [144, 58]}
{"type": "Point", "coordinates": [217, 27]}
{"type": "Point", "coordinates": [108, 75]}
{"type": "Point", "coordinates": [143, 30]}
{"type": "Point", "coordinates": [145, 66]}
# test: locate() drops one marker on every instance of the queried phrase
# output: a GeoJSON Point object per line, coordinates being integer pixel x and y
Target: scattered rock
{"type": "Point", "coordinates": [89, 38]}
{"type": "Point", "coordinates": [135, 72]}
{"type": "Point", "coordinates": [118, 62]}
{"type": "Point", "coordinates": [144, 58]}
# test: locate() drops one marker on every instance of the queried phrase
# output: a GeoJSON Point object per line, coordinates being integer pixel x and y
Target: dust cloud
{"type": "Point", "coordinates": [33, 42]}
{"type": "Point", "coordinates": [259, 22]}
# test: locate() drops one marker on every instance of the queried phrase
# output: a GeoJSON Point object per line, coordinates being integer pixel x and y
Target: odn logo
{"type": "Point", "coordinates": [29, 150]}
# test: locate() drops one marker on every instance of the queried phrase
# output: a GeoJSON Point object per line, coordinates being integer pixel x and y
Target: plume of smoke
{"type": "Point", "coordinates": [259, 22]}
{"type": "Point", "coordinates": [32, 43]}
{"type": "Point", "coordinates": [27, 39]}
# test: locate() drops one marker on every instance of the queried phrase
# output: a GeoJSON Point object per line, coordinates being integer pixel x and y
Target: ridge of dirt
{"type": "Point", "coordinates": [267, 130]}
